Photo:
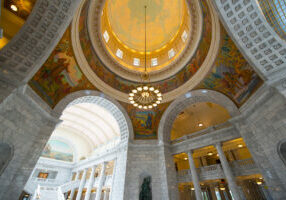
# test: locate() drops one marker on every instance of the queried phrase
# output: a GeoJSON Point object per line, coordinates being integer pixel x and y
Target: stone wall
{"type": "Point", "coordinates": [169, 175]}
{"type": "Point", "coordinates": [262, 126]}
{"type": "Point", "coordinates": [148, 160]}
{"type": "Point", "coordinates": [26, 127]}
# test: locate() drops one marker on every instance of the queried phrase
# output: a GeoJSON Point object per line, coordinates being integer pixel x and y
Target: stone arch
{"type": "Point", "coordinates": [6, 154]}
{"type": "Point", "coordinates": [281, 148]}
{"type": "Point", "coordinates": [190, 98]}
{"type": "Point", "coordinates": [27, 51]}
{"type": "Point", "coordinates": [253, 35]}
{"type": "Point", "coordinates": [111, 105]}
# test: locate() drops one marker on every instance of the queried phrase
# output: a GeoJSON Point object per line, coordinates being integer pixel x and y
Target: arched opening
{"type": "Point", "coordinates": [206, 100]}
{"type": "Point", "coordinates": [94, 131]}
{"type": "Point", "coordinates": [282, 151]}
{"type": "Point", "coordinates": [200, 116]}
{"type": "Point", "coordinates": [6, 153]}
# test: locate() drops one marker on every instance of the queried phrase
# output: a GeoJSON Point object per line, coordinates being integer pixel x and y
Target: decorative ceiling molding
{"type": "Point", "coordinates": [256, 39]}
{"type": "Point", "coordinates": [98, 43]}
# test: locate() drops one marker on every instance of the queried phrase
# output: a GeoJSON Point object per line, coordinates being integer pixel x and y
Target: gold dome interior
{"type": "Point", "coordinates": [122, 26]}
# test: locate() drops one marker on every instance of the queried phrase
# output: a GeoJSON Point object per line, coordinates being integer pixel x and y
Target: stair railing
{"type": "Point", "coordinates": [60, 194]}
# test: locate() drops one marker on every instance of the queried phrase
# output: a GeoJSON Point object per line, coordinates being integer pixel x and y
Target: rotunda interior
{"type": "Point", "coordinates": [149, 99]}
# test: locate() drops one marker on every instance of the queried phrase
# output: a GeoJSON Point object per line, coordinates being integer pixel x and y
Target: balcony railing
{"type": "Point", "coordinates": [212, 172]}
{"type": "Point", "coordinates": [245, 167]}
{"type": "Point", "coordinates": [69, 185]}
{"type": "Point", "coordinates": [201, 132]}
{"type": "Point", "coordinates": [43, 180]}
{"type": "Point", "coordinates": [108, 180]}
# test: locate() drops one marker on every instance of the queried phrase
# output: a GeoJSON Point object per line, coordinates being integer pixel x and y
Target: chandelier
{"type": "Point", "coordinates": [145, 96]}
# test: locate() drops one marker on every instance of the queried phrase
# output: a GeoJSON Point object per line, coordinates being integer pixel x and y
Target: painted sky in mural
{"type": "Point", "coordinates": [58, 150]}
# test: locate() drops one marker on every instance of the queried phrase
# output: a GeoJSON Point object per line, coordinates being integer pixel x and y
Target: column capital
{"type": "Point", "coordinates": [218, 144]}
{"type": "Point", "coordinates": [191, 151]}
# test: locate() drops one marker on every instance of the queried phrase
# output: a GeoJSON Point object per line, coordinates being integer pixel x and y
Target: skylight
{"type": "Point", "coordinates": [136, 62]}
{"type": "Point", "coordinates": [106, 36]}
{"type": "Point", "coordinates": [184, 36]}
{"type": "Point", "coordinates": [154, 62]}
{"type": "Point", "coordinates": [119, 53]}
{"type": "Point", "coordinates": [171, 53]}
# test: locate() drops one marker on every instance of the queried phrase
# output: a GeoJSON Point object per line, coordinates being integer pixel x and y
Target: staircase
{"type": "Point", "coordinates": [48, 193]}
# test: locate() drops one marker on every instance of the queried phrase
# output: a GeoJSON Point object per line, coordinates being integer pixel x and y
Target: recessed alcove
{"type": "Point", "coordinates": [6, 153]}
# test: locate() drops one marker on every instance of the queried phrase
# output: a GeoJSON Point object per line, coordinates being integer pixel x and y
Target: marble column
{"type": "Point", "coordinates": [195, 177]}
{"type": "Point", "coordinates": [73, 189]}
{"type": "Point", "coordinates": [228, 173]}
{"type": "Point", "coordinates": [81, 185]}
{"type": "Point", "coordinates": [100, 182]}
{"type": "Point", "coordinates": [212, 190]}
{"type": "Point", "coordinates": [90, 183]}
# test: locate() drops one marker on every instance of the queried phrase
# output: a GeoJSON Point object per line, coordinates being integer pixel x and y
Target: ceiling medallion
{"type": "Point", "coordinates": [145, 97]}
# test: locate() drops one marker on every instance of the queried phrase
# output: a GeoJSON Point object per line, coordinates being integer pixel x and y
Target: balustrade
{"type": "Point", "coordinates": [108, 181]}
{"type": "Point", "coordinates": [43, 180]}
{"type": "Point", "coordinates": [202, 132]}
{"type": "Point", "coordinates": [60, 194]}
{"type": "Point", "coordinates": [58, 191]}
{"type": "Point", "coordinates": [211, 172]}
{"type": "Point", "coordinates": [70, 185]}
{"type": "Point", "coordinates": [239, 167]}
{"type": "Point", "coordinates": [244, 167]}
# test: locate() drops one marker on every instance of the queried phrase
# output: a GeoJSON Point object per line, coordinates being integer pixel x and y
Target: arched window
{"type": "Point", "coordinates": [6, 153]}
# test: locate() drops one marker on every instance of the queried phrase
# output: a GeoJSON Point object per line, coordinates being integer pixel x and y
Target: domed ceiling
{"type": "Point", "coordinates": [126, 18]}
{"type": "Point", "coordinates": [168, 31]}
{"type": "Point", "coordinates": [83, 59]}
{"type": "Point", "coordinates": [182, 73]}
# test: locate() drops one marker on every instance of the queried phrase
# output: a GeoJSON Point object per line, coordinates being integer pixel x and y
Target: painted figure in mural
{"type": "Point", "coordinates": [146, 193]}
{"type": "Point", "coordinates": [149, 121]}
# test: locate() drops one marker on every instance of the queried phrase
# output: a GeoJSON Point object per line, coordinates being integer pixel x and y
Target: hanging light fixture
{"type": "Point", "coordinates": [144, 96]}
